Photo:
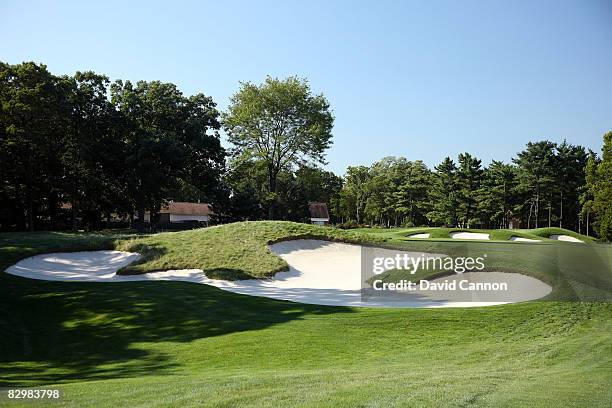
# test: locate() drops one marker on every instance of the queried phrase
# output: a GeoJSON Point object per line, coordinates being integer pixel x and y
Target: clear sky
{"type": "Point", "coordinates": [418, 79]}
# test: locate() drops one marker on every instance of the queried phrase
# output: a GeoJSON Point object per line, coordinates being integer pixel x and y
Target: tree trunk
{"type": "Point", "coordinates": [30, 215]}
{"type": "Point", "coordinates": [537, 210]}
{"type": "Point", "coordinates": [587, 222]}
{"type": "Point", "coordinates": [272, 186]}
{"type": "Point", "coordinates": [140, 210]}
{"type": "Point", "coordinates": [561, 214]}
{"type": "Point", "coordinates": [271, 211]}
{"type": "Point", "coordinates": [549, 214]}
{"type": "Point", "coordinates": [73, 211]}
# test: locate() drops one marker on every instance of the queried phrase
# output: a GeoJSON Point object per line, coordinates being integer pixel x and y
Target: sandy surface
{"type": "Point", "coordinates": [469, 235]}
{"type": "Point", "coordinates": [521, 239]}
{"type": "Point", "coordinates": [565, 238]}
{"type": "Point", "coordinates": [321, 272]}
{"type": "Point", "coordinates": [424, 235]}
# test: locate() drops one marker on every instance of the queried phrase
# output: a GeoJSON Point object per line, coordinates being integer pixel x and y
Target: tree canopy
{"type": "Point", "coordinates": [280, 123]}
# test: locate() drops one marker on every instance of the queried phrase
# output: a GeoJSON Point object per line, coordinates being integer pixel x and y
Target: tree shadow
{"type": "Point", "coordinates": [147, 252]}
{"type": "Point", "coordinates": [53, 332]}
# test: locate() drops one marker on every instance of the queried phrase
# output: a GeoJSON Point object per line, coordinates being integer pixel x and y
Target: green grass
{"type": "Point", "coordinates": [159, 344]}
{"type": "Point", "coordinates": [575, 271]}
{"type": "Point", "coordinates": [231, 251]}
{"type": "Point", "coordinates": [240, 251]}
{"type": "Point", "coordinates": [548, 231]}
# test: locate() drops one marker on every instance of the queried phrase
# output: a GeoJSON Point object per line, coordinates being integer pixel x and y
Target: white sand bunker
{"type": "Point", "coordinates": [321, 272]}
{"type": "Point", "coordinates": [423, 235]}
{"type": "Point", "coordinates": [521, 239]}
{"type": "Point", "coordinates": [469, 235]}
{"type": "Point", "coordinates": [566, 238]}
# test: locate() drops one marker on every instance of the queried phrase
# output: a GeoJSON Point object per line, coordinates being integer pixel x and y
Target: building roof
{"type": "Point", "coordinates": [318, 210]}
{"type": "Point", "coordinates": [183, 208]}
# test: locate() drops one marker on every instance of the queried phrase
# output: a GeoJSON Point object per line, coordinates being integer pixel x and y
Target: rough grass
{"type": "Point", "coordinates": [159, 344]}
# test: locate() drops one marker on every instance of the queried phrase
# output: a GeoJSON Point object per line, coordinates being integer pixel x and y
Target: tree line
{"type": "Point", "coordinates": [77, 150]}
{"type": "Point", "coordinates": [547, 184]}
{"type": "Point", "coordinates": [98, 148]}
{"type": "Point", "coordinates": [464, 193]}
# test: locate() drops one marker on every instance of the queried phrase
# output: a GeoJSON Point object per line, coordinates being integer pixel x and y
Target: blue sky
{"type": "Point", "coordinates": [416, 79]}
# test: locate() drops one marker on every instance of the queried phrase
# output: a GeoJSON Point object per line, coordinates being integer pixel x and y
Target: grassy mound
{"type": "Point", "coordinates": [548, 231]}
{"type": "Point", "coordinates": [230, 251]}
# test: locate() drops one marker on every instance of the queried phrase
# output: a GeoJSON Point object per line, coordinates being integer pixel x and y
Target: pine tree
{"type": "Point", "coordinates": [444, 194]}
{"type": "Point", "coordinates": [469, 178]}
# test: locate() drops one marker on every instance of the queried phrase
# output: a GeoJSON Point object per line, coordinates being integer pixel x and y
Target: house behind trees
{"type": "Point", "coordinates": [318, 213]}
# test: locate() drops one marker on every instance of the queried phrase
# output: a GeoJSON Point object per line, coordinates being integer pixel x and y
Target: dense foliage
{"type": "Point", "coordinates": [277, 126]}
{"type": "Point", "coordinates": [71, 154]}
{"type": "Point", "coordinates": [77, 150]}
{"type": "Point", "coordinates": [547, 184]}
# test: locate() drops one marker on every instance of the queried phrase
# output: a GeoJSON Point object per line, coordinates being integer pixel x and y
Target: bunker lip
{"type": "Point", "coordinates": [565, 238]}
{"type": "Point", "coordinates": [320, 272]}
{"type": "Point", "coordinates": [521, 239]}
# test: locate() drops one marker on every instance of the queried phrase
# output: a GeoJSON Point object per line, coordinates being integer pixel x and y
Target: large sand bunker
{"type": "Point", "coordinates": [321, 272]}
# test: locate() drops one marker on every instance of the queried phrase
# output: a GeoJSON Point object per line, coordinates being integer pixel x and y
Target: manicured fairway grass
{"type": "Point", "coordinates": [179, 344]}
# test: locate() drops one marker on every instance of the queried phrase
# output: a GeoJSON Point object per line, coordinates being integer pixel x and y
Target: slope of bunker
{"type": "Point", "coordinates": [320, 272]}
{"type": "Point", "coordinates": [565, 238]}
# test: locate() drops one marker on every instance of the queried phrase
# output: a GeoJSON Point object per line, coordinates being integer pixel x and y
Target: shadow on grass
{"type": "Point", "coordinates": [148, 253]}
{"type": "Point", "coordinates": [52, 332]}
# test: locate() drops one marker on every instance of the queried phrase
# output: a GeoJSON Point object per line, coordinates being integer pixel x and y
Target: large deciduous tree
{"type": "Point", "coordinates": [92, 156]}
{"type": "Point", "coordinates": [33, 121]}
{"type": "Point", "coordinates": [170, 138]}
{"type": "Point", "coordinates": [281, 123]}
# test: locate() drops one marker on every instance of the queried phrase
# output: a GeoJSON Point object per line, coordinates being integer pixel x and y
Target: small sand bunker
{"type": "Point", "coordinates": [469, 235]}
{"type": "Point", "coordinates": [566, 238]}
{"type": "Point", "coordinates": [421, 236]}
{"type": "Point", "coordinates": [521, 239]}
{"type": "Point", "coordinates": [320, 272]}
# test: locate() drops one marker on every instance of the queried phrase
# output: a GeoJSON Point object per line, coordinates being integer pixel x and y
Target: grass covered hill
{"type": "Point", "coordinates": [159, 344]}
{"type": "Point", "coordinates": [230, 251]}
